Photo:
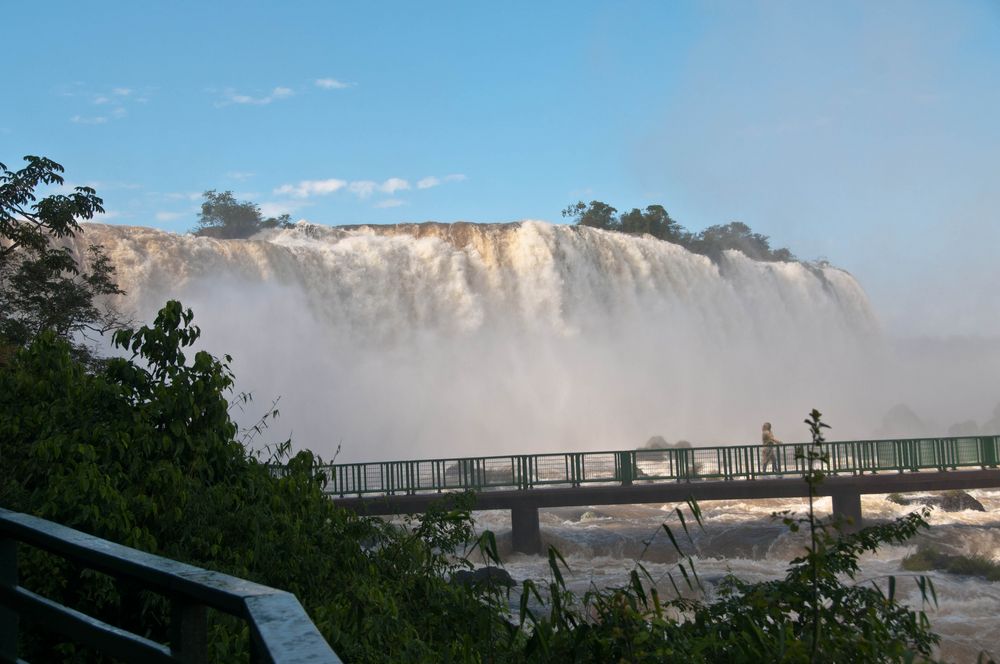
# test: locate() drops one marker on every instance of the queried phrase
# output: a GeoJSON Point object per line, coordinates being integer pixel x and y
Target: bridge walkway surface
{"type": "Point", "coordinates": [524, 483]}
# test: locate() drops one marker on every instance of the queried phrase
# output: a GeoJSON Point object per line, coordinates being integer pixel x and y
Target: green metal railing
{"type": "Point", "coordinates": [280, 630]}
{"type": "Point", "coordinates": [738, 462]}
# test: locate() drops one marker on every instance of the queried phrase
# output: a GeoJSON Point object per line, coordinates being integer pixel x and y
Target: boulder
{"type": "Point", "coordinates": [956, 501]}
{"type": "Point", "coordinates": [488, 576]}
{"type": "Point", "coordinates": [949, 501]}
{"type": "Point", "coordinates": [656, 443]}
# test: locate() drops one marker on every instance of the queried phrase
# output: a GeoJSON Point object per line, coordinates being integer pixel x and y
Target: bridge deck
{"type": "Point", "coordinates": [525, 483]}
{"type": "Point", "coordinates": [665, 492]}
{"type": "Point", "coordinates": [625, 468]}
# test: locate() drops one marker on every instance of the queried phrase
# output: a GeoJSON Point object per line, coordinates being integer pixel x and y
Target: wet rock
{"type": "Point", "coordinates": [949, 501]}
{"type": "Point", "coordinates": [489, 576]}
{"type": "Point", "coordinates": [956, 501]}
{"type": "Point", "coordinates": [656, 443]}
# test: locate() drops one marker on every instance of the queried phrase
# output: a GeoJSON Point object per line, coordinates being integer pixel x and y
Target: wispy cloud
{"type": "Point", "coordinates": [107, 215]}
{"type": "Point", "coordinates": [89, 119]}
{"type": "Point", "coordinates": [240, 175]}
{"type": "Point", "coordinates": [102, 185]}
{"type": "Point", "coordinates": [278, 208]}
{"type": "Point", "coordinates": [363, 188]}
{"type": "Point", "coordinates": [392, 185]}
{"type": "Point", "coordinates": [113, 103]}
{"type": "Point", "coordinates": [168, 216]}
{"type": "Point", "coordinates": [308, 188]}
{"type": "Point", "coordinates": [231, 96]}
{"type": "Point", "coordinates": [360, 188]}
{"type": "Point", "coordinates": [185, 195]}
{"type": "Point", "coordinates": [434, 181]}
{"type": "Point", "coordinates": [332, 84]}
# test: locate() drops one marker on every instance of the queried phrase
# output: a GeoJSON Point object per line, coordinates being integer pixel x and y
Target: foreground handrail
{"type": "Point", "coordinates": [624, 467]}
{"type": "Point", "coordinates": [281, 632]}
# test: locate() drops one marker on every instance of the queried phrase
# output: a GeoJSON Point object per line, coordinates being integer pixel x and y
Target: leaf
{"type": "Point", "coordinates": [554, 566]}
{"type": "Point", "coordinates": [684, 573]}
{"type": "Point", "coordinates": [695, 510]}
{"type": "Point", "coordinates": [677, 591]}
{"type": "Point", "coordinates": [695, 573]}
{"type": "Point", "coordinates": [673, 540]}
{"type": "Point", "coordinates": [680, 515]}
{"type": "Point", "coordinates": [637, 588]}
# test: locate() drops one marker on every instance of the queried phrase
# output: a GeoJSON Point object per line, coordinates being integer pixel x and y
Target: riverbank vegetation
{"type": "Point", "coordinates": [141, 449]}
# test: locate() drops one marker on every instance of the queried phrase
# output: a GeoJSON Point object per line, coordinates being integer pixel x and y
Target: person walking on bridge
{"type": "Point", "coordinates": [769, 457]}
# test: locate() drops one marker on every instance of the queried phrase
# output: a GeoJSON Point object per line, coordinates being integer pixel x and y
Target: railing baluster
{"type": "Point", "coordinates": [8, 617]}
{"type": "Point", "coordinates": [189, 632]}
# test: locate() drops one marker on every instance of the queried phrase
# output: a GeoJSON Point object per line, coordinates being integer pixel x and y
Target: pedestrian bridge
{"type": "Point", "coordinates": [524, 483]}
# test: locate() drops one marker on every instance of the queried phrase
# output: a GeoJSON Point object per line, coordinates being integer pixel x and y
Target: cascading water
{"type": "Point", "coordinates": [433, 339]}
{"type": "Point", "coordinates": [430, 340]}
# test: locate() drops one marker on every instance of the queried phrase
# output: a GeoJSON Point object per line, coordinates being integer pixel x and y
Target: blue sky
{"type": "Point", "coordinates": [863, 132]}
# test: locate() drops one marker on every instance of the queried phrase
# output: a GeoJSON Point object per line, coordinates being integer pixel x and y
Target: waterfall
{"type": "Point", "coordinates": [431, 339]}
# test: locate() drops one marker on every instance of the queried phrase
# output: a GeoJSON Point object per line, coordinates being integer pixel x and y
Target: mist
{"type": "Point", "coordinates": [436, 340]}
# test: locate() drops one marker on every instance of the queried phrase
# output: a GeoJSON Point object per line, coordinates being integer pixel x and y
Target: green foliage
{"type": "Point", "coordinates": [142, 452]}
{"type": "Point", "coordinates": [596, 215]}
{"type": "Point", "coordinates": [656, 221]}
{"type": "Point", "coordinates": [736, 235]}
{"type": "Point", "coordinates": [225, 218]}
{"type": "Point", "coordinates": [41, 285]}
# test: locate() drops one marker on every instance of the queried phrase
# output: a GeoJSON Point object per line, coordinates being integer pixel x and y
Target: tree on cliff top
{"type": "Point", "coordinates": [656, 221]}
{"type": "Point", "coordinates": [225, 218]}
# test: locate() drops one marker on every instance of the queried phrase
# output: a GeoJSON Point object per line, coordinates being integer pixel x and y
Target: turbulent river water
{"type": "Point", "coordinates": [602, 544]}
{"type": "Point", "coordinates": [434, 340]}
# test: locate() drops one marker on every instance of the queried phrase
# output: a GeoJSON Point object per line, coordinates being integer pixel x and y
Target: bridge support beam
{"type": "Point", "coordinates": [525, 534]}
{"type": "Point", "coordinates": [847, 506]}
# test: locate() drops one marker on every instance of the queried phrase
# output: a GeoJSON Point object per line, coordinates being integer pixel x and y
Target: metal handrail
{"type": "Point", "coordinates": [281, 631]}
{"type": "Point", "coordinates": [529, 471]}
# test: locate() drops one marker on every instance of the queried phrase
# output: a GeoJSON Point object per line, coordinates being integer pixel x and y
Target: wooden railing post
{"type": "Point", "coordinates": [8, 617]}
{"type": "Point", "coordinates": [189, 632]}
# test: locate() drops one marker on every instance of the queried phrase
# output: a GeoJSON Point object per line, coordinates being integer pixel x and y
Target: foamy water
{"type": "Point", "coordinates": [602, 543]}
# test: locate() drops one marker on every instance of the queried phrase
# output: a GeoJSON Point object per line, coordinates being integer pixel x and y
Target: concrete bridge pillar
{"type": "Point", "coordinates": [525, 533]}
{"type": "Point", "coordinates": [847, 506]}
